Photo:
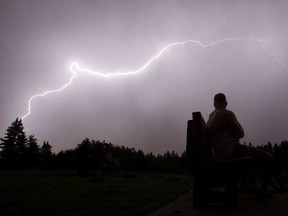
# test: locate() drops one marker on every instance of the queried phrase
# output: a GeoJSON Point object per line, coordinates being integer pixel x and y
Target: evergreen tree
{"type": "Point", "coordinates": [32, 145]}
{"type": "Point", "coordinates": [33, 151]}
{"type": "Point", "coordinates": [46, 154]}
{"type": "Point", "coordinates": [46, 149]}
{"type": "Point", "coordinates": [13, 145]}
{"type": "Point", "coordinates": [84, 157]}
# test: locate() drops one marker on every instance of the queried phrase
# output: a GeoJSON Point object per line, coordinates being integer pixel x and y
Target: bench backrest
{"type": "Point", "coordinates": [198, 147]}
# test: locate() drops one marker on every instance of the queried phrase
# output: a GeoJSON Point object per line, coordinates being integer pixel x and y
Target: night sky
{"type": "Point", "coordinates": [39, 39]}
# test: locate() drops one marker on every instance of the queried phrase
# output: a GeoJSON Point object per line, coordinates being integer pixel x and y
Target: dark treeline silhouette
{"type": "Point", "coordinates": [18, 151]}
{"type": "Point", "coordinates": [93, 155]}
{"type": "Point", "coordinates": [280, 152]}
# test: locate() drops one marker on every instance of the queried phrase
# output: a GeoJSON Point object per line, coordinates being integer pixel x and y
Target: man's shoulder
{"type": "Point", "coordinates": [228, 113]}
{"type": "Point", "coordinates": [222, 113]}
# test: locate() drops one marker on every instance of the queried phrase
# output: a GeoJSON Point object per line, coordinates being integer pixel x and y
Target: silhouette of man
{"type": "Point", "coordinates": [225, 131]}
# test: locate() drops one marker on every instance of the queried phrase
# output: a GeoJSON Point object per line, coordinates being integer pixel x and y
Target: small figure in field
{"type": "Point", "coordinates": [109, 164]}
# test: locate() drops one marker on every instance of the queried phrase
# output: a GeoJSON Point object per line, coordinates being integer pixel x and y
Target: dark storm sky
{"type": "Point", "coordinates": [40, 39]}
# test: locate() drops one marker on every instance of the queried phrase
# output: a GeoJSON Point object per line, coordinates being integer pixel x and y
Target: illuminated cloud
{"type": "Point", "coordinates": [75, 68]}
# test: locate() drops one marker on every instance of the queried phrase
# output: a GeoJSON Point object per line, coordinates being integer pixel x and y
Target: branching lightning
{"type": "Point", "coordinates": [75, 68]}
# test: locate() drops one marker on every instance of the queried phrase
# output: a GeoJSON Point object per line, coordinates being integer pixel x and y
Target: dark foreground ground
{"type": "Point", "coordinates": [249, 206]}
{"type": "Point", "coordinates": [65, 193]}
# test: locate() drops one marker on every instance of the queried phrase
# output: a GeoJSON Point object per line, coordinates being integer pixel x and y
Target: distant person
{"type": "Point", "coordinates": [109, 164]}
{"type": "Point", "coordinates": [225, 132]}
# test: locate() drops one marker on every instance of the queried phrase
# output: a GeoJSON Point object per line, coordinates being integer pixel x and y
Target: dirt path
{"type": "Point", "coordinates": [248, 206]}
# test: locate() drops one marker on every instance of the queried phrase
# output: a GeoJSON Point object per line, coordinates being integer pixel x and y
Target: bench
{"type": "Point", "coordinates": [215, 182]}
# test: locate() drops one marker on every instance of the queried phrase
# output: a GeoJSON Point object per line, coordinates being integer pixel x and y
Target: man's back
{"type": "Point", "coordinates": [223, 120]}
{"type": "Point", "coordinates": [224, 128]}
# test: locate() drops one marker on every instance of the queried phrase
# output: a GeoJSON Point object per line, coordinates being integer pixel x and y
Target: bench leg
{"type": "Point", "coordinates": [200, 193]}
{"type": "Point", "coordinates": [232, 195]}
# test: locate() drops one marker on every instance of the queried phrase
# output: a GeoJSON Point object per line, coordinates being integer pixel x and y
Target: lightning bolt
{"type": "Point", "coordinates": [75, 68]}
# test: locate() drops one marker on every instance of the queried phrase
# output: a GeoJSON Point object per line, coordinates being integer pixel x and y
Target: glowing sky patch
{"type": "Point", "coordinates": [75, 69]}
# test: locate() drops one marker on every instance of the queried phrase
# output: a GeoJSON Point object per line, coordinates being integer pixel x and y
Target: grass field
{"type": "Point", "coordinates": [65, 193]}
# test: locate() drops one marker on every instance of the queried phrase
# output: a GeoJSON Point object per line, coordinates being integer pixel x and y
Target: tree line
{"type": "Point", "coordinates": [92, 155]}
{"type": "Point", "coordinates": [19, 151]}
{"type": "Point", "coordinates": [280, 152]}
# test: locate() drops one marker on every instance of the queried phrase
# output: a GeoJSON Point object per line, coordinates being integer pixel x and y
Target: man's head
{"type": "Point", "coordinates": [220, 101]}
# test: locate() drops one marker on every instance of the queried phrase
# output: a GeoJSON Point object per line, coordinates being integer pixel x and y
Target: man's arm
{"type": "Point", "coordinates": [234, 126]}
{"type": "Point", "coordinates": [210, 118]}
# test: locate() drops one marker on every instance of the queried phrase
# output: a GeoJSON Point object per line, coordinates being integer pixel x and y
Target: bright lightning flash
{"type": "Point", "coordinates": [75, 68]}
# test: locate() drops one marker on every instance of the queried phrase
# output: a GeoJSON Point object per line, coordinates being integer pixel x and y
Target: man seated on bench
{"type": "Point", "coordinates": [225, 132]}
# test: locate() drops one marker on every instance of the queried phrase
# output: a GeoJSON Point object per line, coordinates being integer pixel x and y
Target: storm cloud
{"type": "Point", "coordinates": [40, 39]}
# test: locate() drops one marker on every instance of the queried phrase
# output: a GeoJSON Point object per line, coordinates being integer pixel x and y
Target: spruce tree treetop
{"type": "Point", "coordinates": [13, 145]}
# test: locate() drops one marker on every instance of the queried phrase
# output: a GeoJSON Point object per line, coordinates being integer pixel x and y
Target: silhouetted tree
{"type": "Point", "coordinates": [84, 155]}
{"type": "Point", "coordinates": [46, 149]}
{"type": "Point", "coordinates": [45, 154]}
{"type": "Point", "coordinates": [32, 152]}
{"type": "Point", "coordinates": [13, 145]}
{"type": "Point", "coordinates": [65, 160]}
{"type": "Point", "coordinates": [280, 152]}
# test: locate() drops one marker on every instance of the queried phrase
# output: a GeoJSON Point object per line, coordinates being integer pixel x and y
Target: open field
{"type": "Point", "coordinates": [56, 193]}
